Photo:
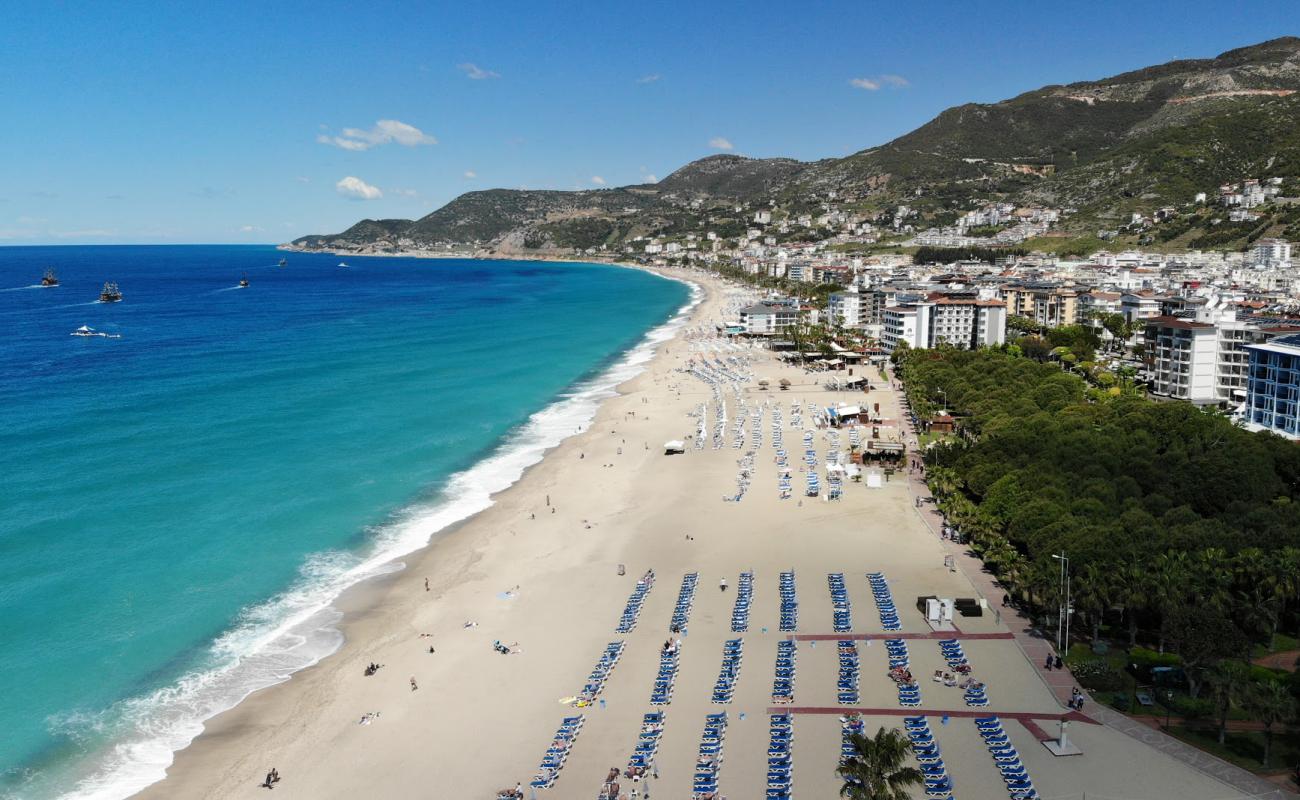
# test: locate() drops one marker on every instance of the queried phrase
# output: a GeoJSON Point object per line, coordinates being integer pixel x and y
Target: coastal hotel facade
{"type": "Point", "coordinates": [1273, 396]}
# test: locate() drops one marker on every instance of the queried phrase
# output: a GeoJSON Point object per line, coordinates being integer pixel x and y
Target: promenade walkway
{"type": "Point", "coordinates": [1037, 647]}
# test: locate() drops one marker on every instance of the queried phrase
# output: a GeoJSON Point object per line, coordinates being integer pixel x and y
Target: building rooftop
{"type": "Point", "coordinates": [1177, 322]}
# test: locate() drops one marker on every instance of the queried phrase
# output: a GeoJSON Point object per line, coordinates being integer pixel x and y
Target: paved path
{"type": "Point", "coordinates": [1038, 647]}
{"type": "Point", "coordinates": [965, 713]}
{"type": "Point", "coordinates": [932, 635]}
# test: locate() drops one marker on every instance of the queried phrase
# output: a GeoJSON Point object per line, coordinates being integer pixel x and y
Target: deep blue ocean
{"type": "Point", "coordinates": [179, 505]}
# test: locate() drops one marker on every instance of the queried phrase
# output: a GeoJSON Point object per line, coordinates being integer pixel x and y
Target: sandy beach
{"type": "Point", "coordinates": [540, 572]}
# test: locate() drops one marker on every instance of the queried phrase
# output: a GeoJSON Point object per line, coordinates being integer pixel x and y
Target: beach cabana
{"type": "Point", "coordinates": [888, 452]}
{"type": "Point", "coordinates": [674, 448]}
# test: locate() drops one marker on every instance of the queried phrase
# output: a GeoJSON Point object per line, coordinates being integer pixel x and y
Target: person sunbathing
{"type": "Point", "coordinates": [938, 675]}
{"type": "Point", "coordinates": [949, 679]}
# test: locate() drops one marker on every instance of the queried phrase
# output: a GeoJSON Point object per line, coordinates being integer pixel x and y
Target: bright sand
{"type": "Point", "coordinates": [481, 721]}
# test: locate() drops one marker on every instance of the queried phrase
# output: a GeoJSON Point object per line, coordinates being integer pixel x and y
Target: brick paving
{"type": "Point", "coordinates": [931, 635]}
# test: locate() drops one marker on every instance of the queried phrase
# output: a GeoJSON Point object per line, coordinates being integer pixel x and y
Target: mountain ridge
{"type": "Point", "coordinates": [1103, 146]}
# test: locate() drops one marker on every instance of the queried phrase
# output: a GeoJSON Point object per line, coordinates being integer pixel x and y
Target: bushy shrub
{"type": "Point", "coordinates": [1098, 675]}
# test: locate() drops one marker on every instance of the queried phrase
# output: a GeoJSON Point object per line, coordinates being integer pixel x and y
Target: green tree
{"type": "Point", "coordinates": [1229, 680]}
{"type": "Point", "coordinates": [1270, 702]}
{"type": "Point", "coordinates": [875, 770]}
{"type": "Point", "coordinates": [1092, 595]}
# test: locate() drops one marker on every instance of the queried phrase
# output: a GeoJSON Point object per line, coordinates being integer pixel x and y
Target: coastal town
{"type": "Point", "coordinates": [1209, 327]}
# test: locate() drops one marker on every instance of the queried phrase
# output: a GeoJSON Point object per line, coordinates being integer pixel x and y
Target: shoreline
{"type": "Point", "coordinates": [344, 607]}
{"type": "Point", "coordinates": [473, 256]}
{"type": "Point", "coordinates": [546, 570]}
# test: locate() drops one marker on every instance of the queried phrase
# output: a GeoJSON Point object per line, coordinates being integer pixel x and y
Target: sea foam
{"type": "Point", "coordinates": [297, 628]}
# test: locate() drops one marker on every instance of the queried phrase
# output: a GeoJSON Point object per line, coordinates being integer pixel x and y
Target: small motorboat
{"type": "Point", "coordinates": [284, 262]}
{"type": "Point", "coordinates": [243, 282]}
{"type": "Point", "coordinates": [50, 279]}
{"type": "Point", "coordinates": [87, 331]}
{"type": "Point", "coordinates": [110, 293]}
{"type": "Point", "coordinates": [343, 264]}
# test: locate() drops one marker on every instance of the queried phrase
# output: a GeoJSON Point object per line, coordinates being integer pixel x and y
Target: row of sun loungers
{"type": "Point", "coordinates": [1014, 774]}
{"type": "Point", "coordinates": [975, 696]}
{"type": "Point", "coordinates": [641, 762]}
{"type": "Point", "coordinates": [847, 685]}
{"type": "Point", "coordinates": [789, 605]}
{"type": "Point", "coordinates": [744, 596]}
{"type": "Point", "coordinates": [627, 622]}
{"type": "Point", "coordinates": [839, 603]}
{"type": "Point", "coordinates": [596, 680]}
{"type": "Point", "coordinates": [733, 653]}
{"type": "Point", "coordinates": [670, 658]}
{"type": "Point", "coordinates": [937, 782]}
{"type": "Point", "coordinates": [705, 784]}
{"type": "Point", "coordinates": [557, 753]}
{"type": "Point", "coordinates": [781, 733]}
{"type": "Point", "coordinates": [685, 599]}
{"type": "Point", "coordinates": [783, 683]}
{"type": "Point", "coordinates": [884, 602]}
{"type": "Point", "coordinates": [900, 669]}
{"type": "Point", "coordinates": [848, 727]}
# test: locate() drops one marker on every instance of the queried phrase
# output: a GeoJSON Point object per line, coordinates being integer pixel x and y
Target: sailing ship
{"type": "Point", "coordinates": [50, 279]}
{"type": "Point", "coordinates": [110, 294]}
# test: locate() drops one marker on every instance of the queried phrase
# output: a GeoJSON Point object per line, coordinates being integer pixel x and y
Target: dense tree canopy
{"type": "Point", "coordinates": [1157, 504]}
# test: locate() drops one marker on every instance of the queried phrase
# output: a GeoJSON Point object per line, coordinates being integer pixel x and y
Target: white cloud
{"type": "Point", "coordinates": [471, 174]}
{"type": "Point", "coordinates": [406, 192]}
{"type": "Point", "coordinates": [648, 78]}
{"type": "Point", "coordinates": [596, 179]}
{"type": "Point", "coordinates": [357, 189]}
{"type": "Point", "coordinates": [719, 143]}
{"type": "Point", "coordinates": [879, 81]}
{"type": "Point", "coordinates": [303, 179]}
{"type": "Point", "coordinates": [648, 178]}
{"type": "Point", "coordinates": [249, 229]}
{"type": "Point", "coordinates": [385, 131]}
{"type": "Point", "coordinates": [475, 72]}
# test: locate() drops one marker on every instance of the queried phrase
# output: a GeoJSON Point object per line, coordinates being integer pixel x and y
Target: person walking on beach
{"type": "Point", "coordinates": [722, 584]}
{"type": "Point", "coordinates": [414, 685]}
{"type": "Point", "coordinates": [426, 584]}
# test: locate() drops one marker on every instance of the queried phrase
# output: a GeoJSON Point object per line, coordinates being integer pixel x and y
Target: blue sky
{"type": "Point", "coordinates": [241, 122]}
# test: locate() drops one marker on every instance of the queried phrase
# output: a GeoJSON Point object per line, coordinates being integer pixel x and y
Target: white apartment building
{"type": "Point", "coordinates": [1136, 307]}
{"type": "Point", "coordinates": [766, 319]}
{"type": "Point", "coordinates": [965, 323]}
{"type": "Point", "coordinates": [1271, 253]}
{"type": "Point", "coordinates": [846, 309]}
{"type": "Point", "coordinates": [1202, 360]}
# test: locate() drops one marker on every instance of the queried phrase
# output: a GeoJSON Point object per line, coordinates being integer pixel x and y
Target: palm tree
{"type": "Point", "coordinates": [875, 771]}
{"type": "Point", "coordinates": [1270, 702]}
{"type": "Point", "coordinates": [1131, 590]}
{"type": "Point", "coordinates": [1228, 680]}
{"type": "Point", "coordinates": [1093, 595]}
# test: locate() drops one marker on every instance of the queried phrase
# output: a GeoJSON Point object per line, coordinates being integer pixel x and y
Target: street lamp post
{"type": "Point", "coordinates": [1063, 608]}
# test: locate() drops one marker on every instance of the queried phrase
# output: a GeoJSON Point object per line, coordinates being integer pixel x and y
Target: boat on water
{"type": "Point", "coordinates": [110, 294]}
{"type": "Point", "coordinates": [50, 279]}
{"type": "Point", "coordinates": [87, 331]}
{"type": "Point", "coordinates": [284, 262]}
{"type": "Point", "coordinates": [243, 282]}
{"type": "Point", "coordinates": [342, 263]}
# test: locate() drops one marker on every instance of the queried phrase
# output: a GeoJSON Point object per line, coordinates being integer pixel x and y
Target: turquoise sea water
{"type": "Point", "coordinates": [179, 505]}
